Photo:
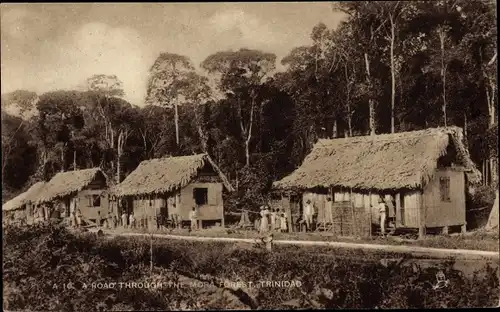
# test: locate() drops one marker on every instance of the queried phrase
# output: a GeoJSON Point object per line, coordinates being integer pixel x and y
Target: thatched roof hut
{"type": "Point", "coordinates": [405, 160]}
{"type": "Point", "coordinates": [24, 198]}
{"type": "Point", "coordinates": [163, 175]}
{"type": "Point", "coordinates": [67, 183]}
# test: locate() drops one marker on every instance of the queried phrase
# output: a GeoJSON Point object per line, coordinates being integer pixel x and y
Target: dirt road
{"type": "Point", "coordinates": [431, 253]}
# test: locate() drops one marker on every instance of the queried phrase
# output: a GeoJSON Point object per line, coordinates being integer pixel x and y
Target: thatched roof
{"type": "Point", "coordinates": [67, 183]}
{"type": "Point", "coordinates": [163, 175]}
{"type": "Point", "coordinates": [405, 160]}
{"type": "Point", "coordinates": [23, 198]}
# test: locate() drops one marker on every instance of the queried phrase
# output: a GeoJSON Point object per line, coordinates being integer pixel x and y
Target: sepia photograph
{"type": "Point", "coordinates": [249, 155]}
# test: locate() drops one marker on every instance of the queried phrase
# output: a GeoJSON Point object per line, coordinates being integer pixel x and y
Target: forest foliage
{"type": "Point", "coordinates": [387, 67]}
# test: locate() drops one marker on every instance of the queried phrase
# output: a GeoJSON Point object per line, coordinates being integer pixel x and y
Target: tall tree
{"type": "Point", "coordinates": [167, 84]}
{"type": "Point", "coordinates": [367, 23]}
{"type": "Point", "coordinates": [116, 114]}
{"type": "Point", "coordinates": [241, 74]}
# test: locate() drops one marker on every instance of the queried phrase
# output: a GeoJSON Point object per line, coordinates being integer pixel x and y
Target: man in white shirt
{"type": "Point", "coordinates": [382, 210]}
{"type": "Point", "coordinates": [308, 214]}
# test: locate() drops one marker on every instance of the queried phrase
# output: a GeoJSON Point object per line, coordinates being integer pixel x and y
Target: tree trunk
{"type": "Point", "coordinates": [371, 102]}
{"type": "Point", "coordinates": [249, 134]}
{"type": "Point", "coordinates": [465, 129]}
{"type": "Point", "coordinates": [74, 160]}
{"type": "Point", "coordinates": [62, 158]}
{"type": "Point", "coordinates": [176, 119]}
{"type": "Point", "coordinates": [393, 73]}
{"type": "Point", "coordinates": [442, 35]}
{"type": "Point", "coordinates": [119, 151]}
{"type": "Point", "coordinates": [334, 130]}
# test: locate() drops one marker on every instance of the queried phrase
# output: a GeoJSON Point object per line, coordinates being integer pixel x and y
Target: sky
{"type": "Point", "coordinates": [48, 46]}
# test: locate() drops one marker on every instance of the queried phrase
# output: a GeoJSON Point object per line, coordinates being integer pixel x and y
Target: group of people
{"type": "Point", "coordinates": [271, 220]}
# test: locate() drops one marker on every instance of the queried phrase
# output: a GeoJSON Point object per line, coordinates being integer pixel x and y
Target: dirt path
{"type": "Point", "coordinates": [436, 253]}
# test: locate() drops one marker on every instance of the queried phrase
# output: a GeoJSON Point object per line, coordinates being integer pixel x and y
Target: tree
{"type": "Point", "coordinates": [366, 24]}
{"type": "Point", "coordinates": [54, 129]}
{"type": "Point", "coordinates": [117, 114]}
{"type": "Point", "coordinates": [20, 103]}
{"type": "Point", "coordinates": [241, 74]}
{"type": "Point", "coordinates": [17, 160]}
{"type": "Point", "coordinates": [168, 80]}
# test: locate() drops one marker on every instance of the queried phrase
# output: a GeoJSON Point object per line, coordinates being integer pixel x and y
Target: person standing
{"type": "Point", "coordinates": [329, 210]}
{"type": "Point", "coordinates": [273, 216]}
{"type": "Point", "coordinates": [78, 218]}
{"type": "Point", "coordinates": [382, 210]}
{"type": "Point", "coordinates": [308, 214]}
{"type": "Point", "coordinates": [264, 223]}
{"type": "Point", "coordinates": [193, 218]}
{"type": "Point", "coordinates": [124, 220]}
{"type": "Point", "coordinates": [132, 220]}
{"type": "Point", "coordinates": [283, 227]}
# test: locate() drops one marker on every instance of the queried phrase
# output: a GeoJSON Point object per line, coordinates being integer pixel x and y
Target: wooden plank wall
{"type": "Point", "coordinates": [214, 210]}
{"type": "Point", "coordinates": [442, 213]}
{"type": "Point", "coordinates": [88, 211]}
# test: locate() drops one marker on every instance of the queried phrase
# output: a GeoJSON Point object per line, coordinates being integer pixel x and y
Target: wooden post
{"type": "Point", "coordinates": [370, 212]}
{"type": "Point", "coordinates": [222, 222]}
{"type": "Point", "coordinates": [421, 219]}
{"type": "Point", "coordinates": [352, 211]}
{"type": "Point", "coordinates": [398, 210]}
{"type": "Point", "coordinates": [289, 214]}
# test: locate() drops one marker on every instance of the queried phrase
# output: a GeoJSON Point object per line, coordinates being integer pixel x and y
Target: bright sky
{"type": "Point", "coordinates": [57, 46]}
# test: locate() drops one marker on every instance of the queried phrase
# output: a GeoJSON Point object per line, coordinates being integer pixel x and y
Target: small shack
{"type": "Point", "coordinates": [20, 208]}
{"type": "Point", "coordinates": [424, 173]}
{"type": "Point", "coordinates": [83, 190]}
{"type": "Point", "coordinates": [172, 186]}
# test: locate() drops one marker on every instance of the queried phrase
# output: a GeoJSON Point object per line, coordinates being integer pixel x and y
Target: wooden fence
{"type": "Point", "coordinates": [350, 221]}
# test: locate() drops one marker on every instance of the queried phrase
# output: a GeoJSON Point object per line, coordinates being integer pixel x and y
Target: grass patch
{"type": "Point", "coordinates": [37, 257]}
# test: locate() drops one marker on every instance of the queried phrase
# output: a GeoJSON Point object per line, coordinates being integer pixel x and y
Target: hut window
{"type": "Point", "coordinates": [444, 189]}
{"type": "Point", "coordinates": [95, 201]}
{"type": "Point", "coordinates": [200, 196]}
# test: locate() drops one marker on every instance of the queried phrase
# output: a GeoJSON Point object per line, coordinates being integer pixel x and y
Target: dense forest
{"type": "Point", "coordinates": [389, 66]}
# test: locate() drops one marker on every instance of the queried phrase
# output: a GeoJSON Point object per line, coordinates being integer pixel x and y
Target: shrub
{"type": "Point", "coordinates": [37, 257]}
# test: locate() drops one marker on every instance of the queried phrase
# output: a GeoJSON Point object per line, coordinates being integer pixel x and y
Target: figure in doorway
{"type": "Point", "coordinates": [124, 220]}
{"type": "Point", "coordinates": [308, 214]}
{"type": "Point", "coordinates": [132, 220]}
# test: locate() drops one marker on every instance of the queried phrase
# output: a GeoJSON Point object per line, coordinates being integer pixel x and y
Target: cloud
{"type": "Point", "coordinates": [22, 24]}
{"type": "Point", "coordinates": [236, 27]}
{"type": "Point", "coordinates": [95, 48]}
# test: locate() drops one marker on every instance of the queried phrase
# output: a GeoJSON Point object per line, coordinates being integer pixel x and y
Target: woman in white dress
{"type": "Point", "coordinates": [283, 227]}
{"type": "Point", "coordinates": [264, 223]}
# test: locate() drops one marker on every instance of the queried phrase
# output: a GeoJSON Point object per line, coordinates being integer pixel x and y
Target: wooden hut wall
{"type": "Point", "coordinates": [445, 211]}
{"type": "Point", "coordinates": [85, 202]}
{"type": "Point", "coordinates": [212, 210]}
{"type": "Point", "coordinates": [412, 207]}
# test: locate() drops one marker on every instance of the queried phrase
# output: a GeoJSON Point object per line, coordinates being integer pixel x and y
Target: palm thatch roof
{"type": "Point", "coordinates": [67, 183]}
{"type": "Point", "coordinates": [405, 160]}
{"type": "Point", "coordinates": [23, 198]}
{"type": "Point", "coordinates": [163, 175]}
